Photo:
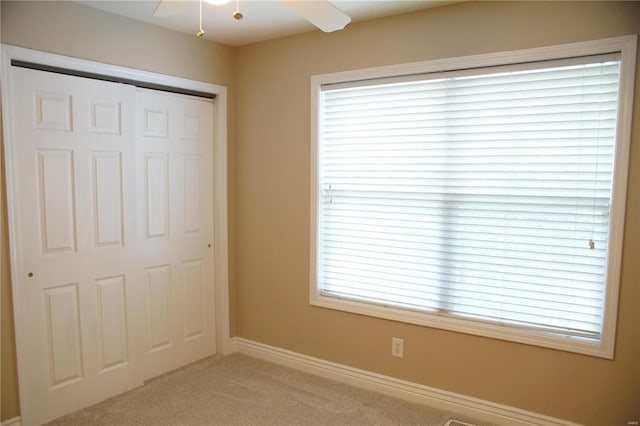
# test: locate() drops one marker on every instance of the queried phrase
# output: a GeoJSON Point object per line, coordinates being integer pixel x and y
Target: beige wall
{"type": "Point", "coordinates": [9, 401]}
{"type": "Point", "coordinates": [74, 30]}
{"type": "Point", "coordinates": [272, 207]}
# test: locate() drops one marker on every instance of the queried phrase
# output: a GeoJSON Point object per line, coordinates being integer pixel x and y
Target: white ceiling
{"type": "Point", "coordinates": [263, 19]}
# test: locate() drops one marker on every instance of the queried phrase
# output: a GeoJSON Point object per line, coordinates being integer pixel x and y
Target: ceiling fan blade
{"type": "Point", "coordinates": [320, 13]}
{"type": "Point", "coordinates": [168, 8]}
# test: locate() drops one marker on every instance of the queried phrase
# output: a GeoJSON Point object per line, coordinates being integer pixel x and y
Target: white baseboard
{"type": "Point", "coordinates": [440, 399]}
{"type": "Point", "coordinates": [12, 422]}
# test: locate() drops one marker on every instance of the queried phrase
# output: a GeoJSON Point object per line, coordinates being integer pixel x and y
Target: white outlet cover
{"type": "Point", "coordinates": [397, 347]}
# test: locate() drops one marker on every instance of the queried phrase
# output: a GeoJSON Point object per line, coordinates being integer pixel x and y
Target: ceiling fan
{"type": "Point", "coordinates": [320, 13]}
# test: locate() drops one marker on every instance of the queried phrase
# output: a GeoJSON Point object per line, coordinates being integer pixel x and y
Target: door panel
{"type": "Point", "coordinates": [105, 116]}
{"type": "Point", "coordinates": [113, 347]}
{"type": "Point", "coordinates": [194, 298]}
{"type": "Point", "coordinates": [76, 228]}
{"type": "Point", "coordinates": [159, 317]}
{"type": "Point", "coordinates": [157, 195]}
{"type": "Point", "coordinates": [107, 198]}
{"type": "Point", "coordinates": [56, 208]}
{"type": "Point", "coordinates": [52, 110]}
{"type": "Point", "coordinates": [64, 345]}
{"type": "Point", "coordinates": [190, 196]}
{"type": "Point", "coordinates": [174, 141]}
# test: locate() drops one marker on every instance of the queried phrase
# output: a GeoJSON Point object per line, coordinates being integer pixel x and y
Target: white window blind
{"type": "Point", "coordinates": [483, 194]}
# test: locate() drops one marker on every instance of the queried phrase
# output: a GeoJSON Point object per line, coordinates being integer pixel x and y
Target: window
{"type": "Point", "coordinates": [484, 198]}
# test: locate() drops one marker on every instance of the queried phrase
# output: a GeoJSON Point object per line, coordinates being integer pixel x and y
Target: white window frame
{"type": "Point", "coordinates": [626, 45]}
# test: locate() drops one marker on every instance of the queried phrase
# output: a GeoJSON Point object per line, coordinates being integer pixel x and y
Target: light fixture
{"type": "Point", "coordinates": [320, 13]}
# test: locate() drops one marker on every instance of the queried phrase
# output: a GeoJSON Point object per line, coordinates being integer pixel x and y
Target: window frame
{"type": "Point", "coordinates": [626, 46]}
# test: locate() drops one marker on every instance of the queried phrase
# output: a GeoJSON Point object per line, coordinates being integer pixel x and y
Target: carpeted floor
{"type": "Point", "coordinates": [240, 390]}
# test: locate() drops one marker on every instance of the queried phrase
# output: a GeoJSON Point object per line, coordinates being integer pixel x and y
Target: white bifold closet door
{"type": "Point", "coordinates": [79, 284]}
{"type": "Point", "coordinates": [174, 145]}
{"type": "Point", "coordinates": [113, 217]}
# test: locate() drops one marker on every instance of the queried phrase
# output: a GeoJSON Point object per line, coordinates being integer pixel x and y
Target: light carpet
{"type": "Point", "coordinates": [241, 390]}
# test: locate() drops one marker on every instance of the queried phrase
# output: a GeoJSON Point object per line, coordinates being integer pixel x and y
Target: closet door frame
{"type": "Point", "coordinates": [220, 219]}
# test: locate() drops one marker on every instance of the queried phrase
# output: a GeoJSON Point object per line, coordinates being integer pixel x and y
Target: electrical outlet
{"type": "Point", "coordinates": [397, 347]}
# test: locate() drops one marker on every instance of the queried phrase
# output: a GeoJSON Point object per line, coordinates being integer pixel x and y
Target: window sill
{"type": "Point", "coordinates": [603, 349]}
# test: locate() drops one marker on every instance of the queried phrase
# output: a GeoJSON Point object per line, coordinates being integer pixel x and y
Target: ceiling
{"type": "Point", "coordinates": [263, 19]}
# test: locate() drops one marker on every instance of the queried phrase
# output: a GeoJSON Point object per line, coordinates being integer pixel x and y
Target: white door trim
{"type": "Point", "coordinates": [221, 273]}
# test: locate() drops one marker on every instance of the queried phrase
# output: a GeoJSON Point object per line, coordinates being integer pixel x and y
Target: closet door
{"type": "Point", "coordinates": [79, 286]}
{"type": "Point", "coordinates": [174, 142]}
